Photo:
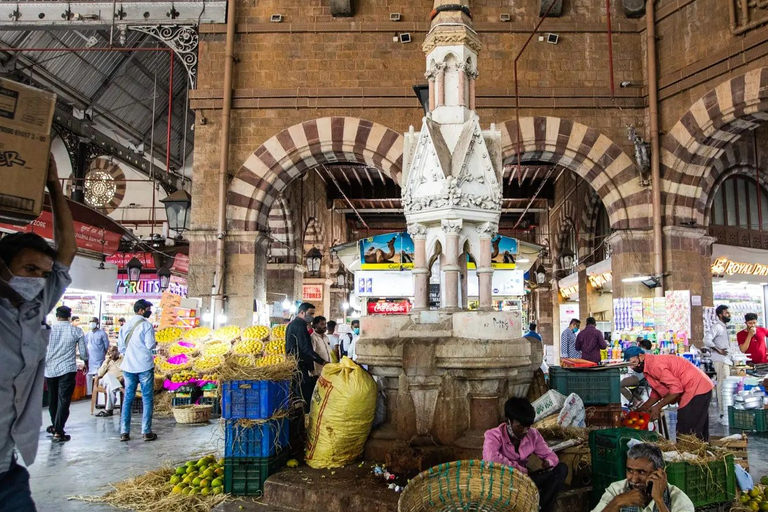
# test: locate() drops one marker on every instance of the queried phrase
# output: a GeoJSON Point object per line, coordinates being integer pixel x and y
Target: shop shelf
{"type": "Point", "coordinates": [609, 453]}
{"type": "Point", "coordinates": [707, 485]}
{"type": "Point", "coordinates": [748, 419]}
{"type": "Point", "coordinates": [594, 387]}
{"type": "Point", "coordinates": [253, 399]}
{"type": "Point", "coordinates": [261, 440]}
{"type": "Point", "coordinates": [245, 476]}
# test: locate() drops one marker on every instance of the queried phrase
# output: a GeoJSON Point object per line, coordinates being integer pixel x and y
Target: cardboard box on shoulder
{"type": "Point", "coordinates": [26, 115]}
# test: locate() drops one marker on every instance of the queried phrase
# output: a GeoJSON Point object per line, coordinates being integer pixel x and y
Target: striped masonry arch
{"type": "Point", "coordinates": [283, 246]}
{"type": "Point", "coordinates": [588, 222]}
{"type": "Point", "coordinates": [591, 155]}
{"type": "Point", "coordinates": [736, 160]}
{"type": "Point", "coordinates": [282, 158]}
{"type": "Point", "coordinates": [700, 138]}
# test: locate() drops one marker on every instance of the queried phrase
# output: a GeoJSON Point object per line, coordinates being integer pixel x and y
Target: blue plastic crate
{"type": "Point", "coordinates": [261, 440]}
{"type": "Point", "coordinates": [253, 399]}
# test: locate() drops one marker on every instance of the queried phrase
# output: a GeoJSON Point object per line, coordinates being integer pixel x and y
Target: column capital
{"type": "Point", "coordinates": [700, 234]}
{"type": "Point", "coordinates": [451, 226]}
{"type": "Point", "coordinates": [487, 229]}
{"type": "Point", "coordinates": [417, 230]}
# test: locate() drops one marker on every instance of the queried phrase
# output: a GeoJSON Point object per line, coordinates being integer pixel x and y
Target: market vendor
{"type": "Point", "coordinates": [634, 381]}
{"type": "Point", "coordinates": [645, 488]}
{"type": "Point", "coordinates": [674, 379]}
{"type": "Point", "coordinates": [514, 441]}
{"type": "Point", "coordinates": [111, 378]}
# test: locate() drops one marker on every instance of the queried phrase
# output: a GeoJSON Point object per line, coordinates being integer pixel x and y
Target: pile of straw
{"type": "Point", "coordinates": [162, 405]}
{"type": "Point", "coordinates": [703, 452]}
{"type": "Point", "coordinates": [151, 492]}
{"type": "Point", "coordinates": [233, 370]}
{"type": "Point", "coordinates": [564, 433]}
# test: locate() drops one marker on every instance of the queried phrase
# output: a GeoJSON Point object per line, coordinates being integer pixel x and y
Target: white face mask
{"type": "Point", "coordinates": [27, 287]}
{"type": "Point", "coordinates": [93, 325]}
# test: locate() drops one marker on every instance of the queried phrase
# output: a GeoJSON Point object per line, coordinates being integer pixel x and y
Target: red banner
{"type": "Point", "coordinates": [394, 307]}
{"type": "Point", "coordinates": [121, 259]}
{"type": "Point", "coordinates": [88, 237]}
{"type": "Point", "coordinates": [181, 263]}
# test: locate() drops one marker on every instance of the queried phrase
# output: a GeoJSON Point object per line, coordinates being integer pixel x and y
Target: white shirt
{"type": "Point", "coordinates": [679, 501]}
{"type": "Point", "coordinates": [717, 337]}
{"type": "Point", "coordinates": [333, 340]}
{"type": "Point", "coordinates": [138, 353]}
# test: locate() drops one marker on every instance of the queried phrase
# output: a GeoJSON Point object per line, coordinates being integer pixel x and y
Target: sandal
{"type": "Point", "coordinates": [61, 438]}
{"type": "Point", "coordinates": [51, 430]}
{"type": "Point", "coordinates": [104, 414]}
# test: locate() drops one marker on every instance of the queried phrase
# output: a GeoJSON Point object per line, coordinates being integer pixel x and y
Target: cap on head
{"type": "Point", "coordinates": [631, 352]}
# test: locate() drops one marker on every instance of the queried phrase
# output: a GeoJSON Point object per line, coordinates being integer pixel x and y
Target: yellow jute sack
{"type": "Point", "coordinates": [341, 415]}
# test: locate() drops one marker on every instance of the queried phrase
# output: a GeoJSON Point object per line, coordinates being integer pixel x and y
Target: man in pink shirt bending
{"type": "Point", "coordinates": [512, 442]}
{"type": "Point", "coordinates": [674, 379]}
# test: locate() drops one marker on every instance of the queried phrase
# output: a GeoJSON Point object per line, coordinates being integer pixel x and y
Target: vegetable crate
{"type": "Point", "coordinates": [254, 399]}
{"type": "Point", "coordinates": [609, 455]}
{"type": "Point", "coordinates": [260, 440]}
{"type": "Point", "coordinates": [245, 476]}
{"type": "Point", "coordinates": [748, 419]}
{"type": "Point", "coordinates": [215, 402]}
{"type": "Point", "coordinates": [178, 401]}
{"type": "Point", "coordinates": [595, 387]}
{"type": "Point", "coordinates": [604, 415]}
{"type": "Point", "coordinates": [705, 485]}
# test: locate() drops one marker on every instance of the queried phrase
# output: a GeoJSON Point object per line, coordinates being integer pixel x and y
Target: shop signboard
{"type": "Point", "coordinates": [121, 259]}
{"type": "Point", "coordinates": [148, 287]}
{"type": "Point", "coordinates": [89, 238]}
{"type": "Point", "coordinates": [503, 253]}
{"type": "Point", "coordinates": [724, 266]}
{"type": "Point", "coordinates": [390, 251]}
{"type": "Point", "coordinates": [389, 307]}
{"type": "Point", "coordinates": [312, 292]}
{"type": "Point", "coordinates": [504, 283]}
{"type": "Point", "coordinates": [383, 284]}
{"type": "Point", "coordinates": [181, 263]}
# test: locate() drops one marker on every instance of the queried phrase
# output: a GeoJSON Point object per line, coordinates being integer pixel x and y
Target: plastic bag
{"type": "Point", "coordinates": [549, 403]}
{"type": "Point", "coordinates": [341, 415]}
{"type": "Point", "coordinates": [573, 413]}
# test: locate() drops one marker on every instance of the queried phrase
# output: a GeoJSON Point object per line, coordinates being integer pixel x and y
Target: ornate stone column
{"type": "Point", "coordinates": [440, 86]}
{"type": "Point", "coordinates": [487, 231]}
{"type": "Point", "coordinates": [451, 269]}
{"type": "Point", "coordinates": [430, 76]}
{"type": "Point", "coordinates": [462, 69]}
{"type": "Point", "coordinates": [418, 233]}
{"type": "Point", "coordinates": [472, 78]}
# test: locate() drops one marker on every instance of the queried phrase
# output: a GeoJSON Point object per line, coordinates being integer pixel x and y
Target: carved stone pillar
{"type": "Point", "coordinates": [440, 86]}
{"type": "Point", "coordinates": [472, 78]}
{"type": "Point", "coordinates": [451, 269]}
{"type": "Point", "coordinates": [418, 233]}
{"type": "Point", "coordinates": [462, 84]}
{"type": "Point", "coordinates": [430, 76]}
{"type": "Point", "coordinates": [484, 268]}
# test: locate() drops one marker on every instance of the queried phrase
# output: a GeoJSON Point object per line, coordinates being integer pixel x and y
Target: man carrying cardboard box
{"type": "Point", "coordinates": [33, 278]}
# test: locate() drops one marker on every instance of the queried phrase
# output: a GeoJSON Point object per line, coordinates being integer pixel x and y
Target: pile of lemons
{"type": "Point", "coordinates": [207, 363]}
{"type": "Point", "coordinates": [227, 333]}
{"type": "Point", "coordinates": [198, 333]}
{"type": "Point", "coordinates": [255, 332]}
{"type": "Point", "coordinates": [177, 349]}
{"type": "Point", "coordinates": [204, 477]}
{"type": "Point", "coordinates": [168, 335]}
{"type": "Point", "coordinates": [183, 376]}
{"type": "Point", "coordinates": [275, 347]}
{"type": "Point", "coordinates": [216, 348]}
{"type": "Point", "coordinates": [278, 332]}
{"type": "Point", "coordinates": [246, 347]}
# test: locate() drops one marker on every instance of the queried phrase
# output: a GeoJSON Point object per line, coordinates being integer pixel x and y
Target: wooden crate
{"type": "Point", "coordinates": [738, 447]}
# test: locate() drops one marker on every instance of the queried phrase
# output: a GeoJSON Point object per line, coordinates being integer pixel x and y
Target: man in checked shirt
{"type": "Point", "coordinates": [61, 370]}
{"type": "Point", "coordinates": [33, 277]}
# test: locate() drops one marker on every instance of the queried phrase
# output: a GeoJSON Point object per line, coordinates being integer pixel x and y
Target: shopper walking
{"type": "Point", "coordinates": [568, 340]}
{"type": "Point", "coordinates": [299, 344]}
{"type": "Point", "coordinates": [97, 343]}
{"type": "Point", "coordinates": [716, 339]}
{"type": "Point", "coordinates": [33, 278]}
{"type": "Point", "coordinates": [673, 380]}
{"type": "Point", "coordinates": [752, 340]}
{"type": "Point", "coordinates": [590, 342]}
{"type": "Point", "coordinates": [136, 343]}
{"type": "Point", "coordinates": [61, 369]}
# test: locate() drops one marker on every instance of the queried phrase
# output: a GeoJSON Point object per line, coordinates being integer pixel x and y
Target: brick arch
{"type": "Point", "coordinates": [283, 247]}
{"type": "Point", "coordinates": [700, 138]}
{"type": "Point", "coordinates": [588, 221]}
{"type": "Point", "coordinates": [282, 158]}
{"type": "Point", "coordinates": [591, 155]}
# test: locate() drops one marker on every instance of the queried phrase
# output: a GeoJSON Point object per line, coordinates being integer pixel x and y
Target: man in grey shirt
{"type": "Point", "coordinates": [716, 339]}
{"type": "Point", "coordinates": [33, 277]}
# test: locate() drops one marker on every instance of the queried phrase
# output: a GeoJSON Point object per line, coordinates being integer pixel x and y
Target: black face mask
{"type": "Point", "coordinates": [147, 314]}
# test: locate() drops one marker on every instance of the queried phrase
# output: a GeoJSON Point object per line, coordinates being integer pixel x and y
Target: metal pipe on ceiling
{"type": "Point", "coordinates": [653, 111]}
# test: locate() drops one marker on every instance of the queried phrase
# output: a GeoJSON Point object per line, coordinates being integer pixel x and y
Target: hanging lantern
{"type": "Point", "coordinates": [134, 270]}
{"type": "Point", "coordinates": [313, 259]}
{"type": "Point", "coordinates": [341, 278]}
{"type": "Point", "coordinates": [541, 275]}
{"type": "Point", "coordinates": [566, 259]}
{"type": "Point", "coordinates": [177, 210]}
{"type": "Point", "coordinates": [164, 276]}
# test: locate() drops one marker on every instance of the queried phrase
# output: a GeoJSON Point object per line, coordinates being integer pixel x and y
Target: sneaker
{"type": "Point", "coordinates": [150, 437]}
{"type": "Point", "coordinates": [125, 437]}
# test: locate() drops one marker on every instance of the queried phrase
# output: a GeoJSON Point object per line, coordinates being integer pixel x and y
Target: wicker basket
{"type": "Point", "coordinates": [192, 413]}
{"type": "Point", "coordinates": [470, 485]}
{"type": "Point", "coordinates": [159, 382]}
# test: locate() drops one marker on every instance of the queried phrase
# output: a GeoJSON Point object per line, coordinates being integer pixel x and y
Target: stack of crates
{"type": "Point", "coordinates": [599, 389]}
{"type": "Point", "coordinates": [708, 485]}
{"type": "Point", "coordinates": [255, 445]}
{"type": "Point", "coordinates": [609, 456]}
{"type": "Point", "coordinates": [211, 397]}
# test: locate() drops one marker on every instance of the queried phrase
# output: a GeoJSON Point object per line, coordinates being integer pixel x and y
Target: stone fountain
{"type": "Point", "coordinates": [447, 373]}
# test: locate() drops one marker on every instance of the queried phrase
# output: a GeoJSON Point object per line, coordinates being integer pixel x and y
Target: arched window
{"type": "Point", "coordinates": [602, 230]}
{"type": "Point", "coordinates": [736, 204]}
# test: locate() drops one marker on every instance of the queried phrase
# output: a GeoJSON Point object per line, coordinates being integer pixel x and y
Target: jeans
{"type": "Point", "coordinates": [15, 495]}
{"type": "Point", "coordinates": [61, 390]}
{"type": "Point", "coordinates": [549, 482]}
{"type": "Point", "coordinates": [132, 380]}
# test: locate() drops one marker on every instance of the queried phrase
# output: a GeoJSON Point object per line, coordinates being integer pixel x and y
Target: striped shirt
{"type": "Point", "coordinates": [61, 357]}
{"type": "Point", "coordinates": [568, 345]}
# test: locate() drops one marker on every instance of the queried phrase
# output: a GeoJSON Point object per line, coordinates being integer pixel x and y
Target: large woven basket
{"type": "Point", "coordinates": [192, 413]}
{"type": "Point", "coordinates": [472, 486]}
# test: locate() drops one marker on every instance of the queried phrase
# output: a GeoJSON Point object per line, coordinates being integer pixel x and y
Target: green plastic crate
{"type": "Point", "coordinates": [245, 476]}
{"type": "Point", "coordinates": [594, 387]}
{"type": "Point", "coordinates": [749, 419]}
{"type": "Point", "coordinates": [609, 455]}
{"type": "Point", "coordinates": [712, 484]}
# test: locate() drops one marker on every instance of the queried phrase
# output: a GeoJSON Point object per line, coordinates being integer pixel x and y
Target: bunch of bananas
{"type": "Point", "coordinates": [214, 377]}
{"type": "Point", "coordinates": [177, 349]}
{"type": "Point", "coordinates": [198, 333]}
{"type": "Point", "coordinates": [245, 347]}
{"type": "Point", "coordinates": [228, 333]}
{"type": "Point", "coordinates": [168, 335]}
{"type": "Point", "coordinates": [275, 347]}
{"type": "Point", "coordinates": [278, 332]}
{"type": "Point", "coordinates": [207, 363]}
{"type": "Point", "coordinates": [255, 332]}
{"type": "Point", "coordinates": [216, 348]}
{"type": "Point", "coordinates": [247, 361]}
{"type": "Point", "coordinates": [183, 376]}
{"type": "Point", "coordinates": [270, 359]}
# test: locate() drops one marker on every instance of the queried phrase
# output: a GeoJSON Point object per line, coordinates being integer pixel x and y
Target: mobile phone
{"type": "Point", "coordinates": [649, 488]}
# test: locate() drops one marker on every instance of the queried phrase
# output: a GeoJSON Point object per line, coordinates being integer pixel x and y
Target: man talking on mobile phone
{"type": "Point", "coordinates": [646, 488]}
